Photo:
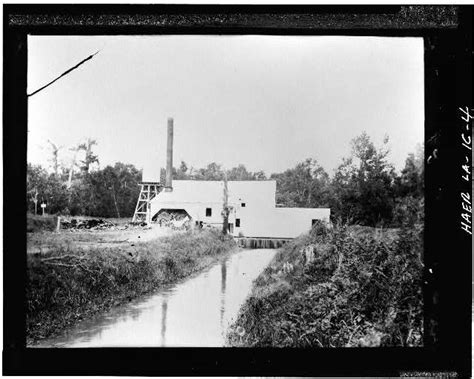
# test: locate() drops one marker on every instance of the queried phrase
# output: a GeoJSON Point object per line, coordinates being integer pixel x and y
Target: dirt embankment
{"type": "Point", "coordinates": [75, 278]}
{"type": "Point", "coordinates": [340, 287]}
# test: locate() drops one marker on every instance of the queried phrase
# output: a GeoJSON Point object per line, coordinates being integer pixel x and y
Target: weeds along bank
{"type": "Point", "coordinates": [40, 223]}
{"type": "Point", "coordinates": [69, 284]}
{"type": "Point", "coordinates": [362, 289]}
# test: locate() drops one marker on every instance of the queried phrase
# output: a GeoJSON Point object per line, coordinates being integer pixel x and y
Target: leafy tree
{"type": "Point", "coordinates": [411, 180]}
{"type": "Point", "coordinates": [128, 189]}
{"type": "Point", "coordinates": [36, 182]}
{"type": "Point", "coordinates": [343, 200]}
{"type": "Point", "coordinates": [182, 172]}
{"type": "Point", "coordinates": [213, 171]}
{"type": "Point", "coordinates": [45, 188]}
{"type": "Point", "coordinates": [363, 185]}
{"type": "Point", "coordinates": [56, 196]}
{"type": "Point", "coordinates": [115, 190]}
{"type": "Point", "coordinates": [239, 173]}
{"type": "Point", "coordinates": [305, 185]}
{"type": "Point", "coordinates": [259, 175]}
{"type": "Point", "coordinates": [409, 207]}
{"type": "Point", "coordinates": [81, 198]}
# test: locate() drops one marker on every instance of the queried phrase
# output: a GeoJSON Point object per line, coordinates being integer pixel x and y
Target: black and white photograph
{"type": "Point", "coordinates": [239, 190]}
{"type": "Point", "coordinates": [225, 191]}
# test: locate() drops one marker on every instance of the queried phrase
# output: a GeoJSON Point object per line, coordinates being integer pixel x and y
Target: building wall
{"type": "Point", "coordinates": [253, 194]}
{"type": "Point", "coordinates": [197, 211]}
{"type": "Point", "coordinates": [253, 205]}
{"type": "Point", "coordinates": [278, 222]}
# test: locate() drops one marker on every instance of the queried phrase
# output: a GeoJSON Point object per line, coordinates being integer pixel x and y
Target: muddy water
{"type": "Point", "coordinates": [196, 312]}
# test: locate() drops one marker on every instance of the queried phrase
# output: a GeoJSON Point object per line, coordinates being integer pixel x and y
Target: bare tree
{"type": "Point", "coordinates": [73, 164]}
{"type": "Point", "coordinates": [34, 198]}
{"type": "Point", "coordinates": [55, 149]}
{"type": "Point", "coordinates": [90, 157]}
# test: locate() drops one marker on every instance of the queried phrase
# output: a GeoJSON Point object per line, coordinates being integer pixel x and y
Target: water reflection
{"type": "Point", "coordinates": [196, 312]}
{"type": "Point", "coordinates": [164, 310]}
{"type": "Point", "coordinates": [223, 282]}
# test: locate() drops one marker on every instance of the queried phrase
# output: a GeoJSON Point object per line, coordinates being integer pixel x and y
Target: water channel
{"type": "Point", "coordinates": [195, 312]}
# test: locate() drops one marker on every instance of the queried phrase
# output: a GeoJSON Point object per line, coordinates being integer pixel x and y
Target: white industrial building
{"type": "Point", "coordinates": [252, 203]}
{"type": "Point", "coordinates": [253, 212]}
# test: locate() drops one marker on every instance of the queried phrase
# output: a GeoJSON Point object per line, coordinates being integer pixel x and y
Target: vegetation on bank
{"type": "Point", "coordinates": [36, 224]}
{"type": "Point", "coordinates": [69, 284]}
{"type": "Point", "coordinates": [364, 288]}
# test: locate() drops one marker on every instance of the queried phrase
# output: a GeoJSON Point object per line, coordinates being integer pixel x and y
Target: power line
{"type": "Point", "coordinates": [64, 73]}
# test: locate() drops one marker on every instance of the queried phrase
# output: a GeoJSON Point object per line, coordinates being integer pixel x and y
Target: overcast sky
{"type": "Point", "coordinates": [268, 102]}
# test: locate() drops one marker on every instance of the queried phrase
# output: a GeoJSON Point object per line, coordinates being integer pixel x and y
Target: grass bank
{"type": "Point", "coordinates": [40, 223]}
{"type": "Point", "coordinates": [69, 284]}
{"type": "Point", "coordinates": [364, 288]}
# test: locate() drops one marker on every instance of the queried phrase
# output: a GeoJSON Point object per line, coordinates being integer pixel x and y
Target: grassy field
{"type": "Point", "coordinates": [362, 289]}
{"type": "Point", "coordinates": [42, 236]}
{"type": "Point", "coordinates": [74, 275]}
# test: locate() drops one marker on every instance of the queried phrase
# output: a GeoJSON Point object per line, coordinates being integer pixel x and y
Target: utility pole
{"type": "Point", "coordinates": [225, 208]}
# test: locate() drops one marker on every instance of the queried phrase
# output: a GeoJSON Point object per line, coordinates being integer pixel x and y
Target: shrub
{"type": "Point", "coordinates": [362, 289]}
{"type": "Point", "coordinates": [40, 223]}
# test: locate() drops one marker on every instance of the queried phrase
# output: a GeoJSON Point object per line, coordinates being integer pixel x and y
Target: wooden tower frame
{"type": "Point", "coordinates": [148, 191]}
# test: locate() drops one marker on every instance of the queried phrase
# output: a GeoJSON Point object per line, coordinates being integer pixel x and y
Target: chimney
{"type": "Point", "coordinates": [169, 157]}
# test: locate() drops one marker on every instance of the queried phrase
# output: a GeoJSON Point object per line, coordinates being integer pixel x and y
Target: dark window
{"type": "Point", "coordinates": [243, 205]}
{"type": "Point", "coordinates": [237, 222]}
{"type": "Point", "coordinates": [208, 212]}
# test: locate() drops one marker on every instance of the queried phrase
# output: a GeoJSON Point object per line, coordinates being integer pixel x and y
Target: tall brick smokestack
{"type": "Point", "coordinates": [169, 157]}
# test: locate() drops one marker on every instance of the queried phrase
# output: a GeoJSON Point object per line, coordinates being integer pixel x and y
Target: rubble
{"type": "Point", "coordinates": [98, 224]}
{"type": "Point", "coordinates": [177, 220]}
{"type": "Point", "coordinates": [174, 220]}
{"type": "Point", "coordinates": [91, 224]}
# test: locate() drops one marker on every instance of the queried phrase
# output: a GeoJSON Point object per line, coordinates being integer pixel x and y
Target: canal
{"type": "Point", "coordinates": [195, 312]}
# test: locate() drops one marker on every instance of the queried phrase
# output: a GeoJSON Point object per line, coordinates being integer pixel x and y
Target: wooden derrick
{"type": "Point", "coordinates": [148, 191]}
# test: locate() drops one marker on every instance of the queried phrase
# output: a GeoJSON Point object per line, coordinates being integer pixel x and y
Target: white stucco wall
{"type": "Point", "coordinates": [258, 218]}
{"type": "Point", "coordinates": [255, 194]}
{"type": "Point", "coordinates": [197, 195]}
{"type": "Point", "coordinates": [278, 222]}
{"type": "Point", "coordinates": [197, 211]}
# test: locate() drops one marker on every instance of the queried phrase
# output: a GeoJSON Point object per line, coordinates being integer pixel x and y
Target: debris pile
{"type": "Point", "coordinates": [98, 224]}
{"type": "Point", "coordinates": [174, 219]}
{"type": "Point", "coordinates": [91, 224]}
{"type": "Point", "coordinates": [135, 224]}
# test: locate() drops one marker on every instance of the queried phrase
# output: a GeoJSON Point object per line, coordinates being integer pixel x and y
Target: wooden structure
{"type": "Point", "coordinates": [148, 192]}
{"type": "Point", "coordinates": [261, 243]}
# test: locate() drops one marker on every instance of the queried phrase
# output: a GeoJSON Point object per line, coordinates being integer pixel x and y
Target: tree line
{"type": "Point", "coordinates": [365, 189]}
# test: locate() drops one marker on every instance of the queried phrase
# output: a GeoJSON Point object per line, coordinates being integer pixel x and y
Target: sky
{"type": "Point", "coordinates": [267, 102]}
